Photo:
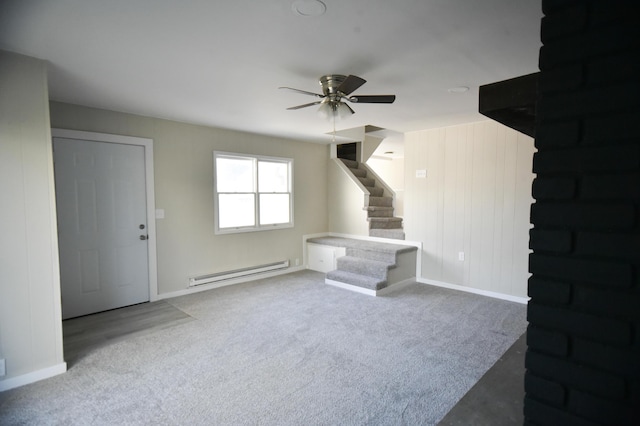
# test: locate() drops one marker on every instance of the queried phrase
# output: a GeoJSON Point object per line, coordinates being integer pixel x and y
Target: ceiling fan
{"type": "Point", "coordinates": [337, 89]}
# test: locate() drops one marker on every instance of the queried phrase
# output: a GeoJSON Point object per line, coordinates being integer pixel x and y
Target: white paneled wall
{"type": "Point", "coordinates": [30, 314]}
{"type": "Point", "coordinates": [475, 199]}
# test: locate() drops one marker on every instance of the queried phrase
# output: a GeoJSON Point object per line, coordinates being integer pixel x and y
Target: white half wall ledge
{"type": "Point", "coordinates": [493, 294]}
{"type": "Point", "coordinates": [33, 377]}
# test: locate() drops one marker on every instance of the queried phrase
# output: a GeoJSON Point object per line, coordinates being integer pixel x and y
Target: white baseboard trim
{"type": "Point", "coordinates": [367, 291]}
{"type": "Point", "coordinates": [495, 295]}
{"type": "Point", "coordinates": [205, 287]}
{"type": "Point", "coordinates": [32, 377]}
{"type": "Point", "coordinates": [350, 287]}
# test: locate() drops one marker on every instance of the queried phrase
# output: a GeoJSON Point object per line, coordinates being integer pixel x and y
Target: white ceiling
{"type": "Point", "coordinates": [220, 62]}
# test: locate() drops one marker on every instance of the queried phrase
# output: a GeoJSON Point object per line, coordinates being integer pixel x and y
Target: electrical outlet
{"type": "Point", "coordinates": [297, 261]}
{"type": "Point", "coordinates": [3, 370]}
{"type": "Point", "coordinates": [461, 256]}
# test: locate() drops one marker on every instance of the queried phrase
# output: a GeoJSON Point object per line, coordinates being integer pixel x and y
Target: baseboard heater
{"type": "Point", "coordinates": [237, 273]}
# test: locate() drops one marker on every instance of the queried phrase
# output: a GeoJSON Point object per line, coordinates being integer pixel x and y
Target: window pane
{"type": "Point", "coordinates": [274, 208]}
{"type": "Point", "coordinates": [273, 176]}
{"type": "Point", "coordinates": [236, 210]}
{"type": "Point", "coordinates": [234, 175]}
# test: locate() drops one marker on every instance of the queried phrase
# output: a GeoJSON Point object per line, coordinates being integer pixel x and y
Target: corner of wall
{"type": "Point", "coordinates": [30, 312]}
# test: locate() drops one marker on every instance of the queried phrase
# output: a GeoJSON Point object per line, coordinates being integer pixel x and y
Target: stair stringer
{"type": "Point", "coordinates": [388, 192]}
{"type": "Point", "coordinates": [404, 270]}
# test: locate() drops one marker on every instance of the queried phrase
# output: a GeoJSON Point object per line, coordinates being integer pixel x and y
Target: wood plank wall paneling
{"type": "Point", "coordinates": [30, 317]}
{"type": "Point", "coordinates": [475, 199]}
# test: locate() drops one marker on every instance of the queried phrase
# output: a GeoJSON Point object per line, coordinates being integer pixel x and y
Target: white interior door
{"type": "Point", "coordinates": [102, 225]}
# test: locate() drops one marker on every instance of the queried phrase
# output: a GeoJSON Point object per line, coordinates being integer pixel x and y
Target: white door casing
{"type": "Point", "coordinates": [104, 193]}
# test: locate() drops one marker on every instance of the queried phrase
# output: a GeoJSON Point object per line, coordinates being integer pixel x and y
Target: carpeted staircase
{"type": "Point", "coordinates": [370, 267]}
{"type": "Point", "coordinates": [382, 223]}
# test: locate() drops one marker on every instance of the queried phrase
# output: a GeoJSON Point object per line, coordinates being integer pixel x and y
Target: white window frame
{"type": "Point", "coordinates": [255, 159]}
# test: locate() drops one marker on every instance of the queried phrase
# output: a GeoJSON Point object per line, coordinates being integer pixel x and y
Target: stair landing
{"type": "Point", "coordinates": [370, 267]}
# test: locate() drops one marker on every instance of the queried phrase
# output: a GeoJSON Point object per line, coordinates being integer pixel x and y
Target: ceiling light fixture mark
{"type": "Point", "coordinates": [459, 89]}
{"type": "Point", "coordinates": [308, 8]}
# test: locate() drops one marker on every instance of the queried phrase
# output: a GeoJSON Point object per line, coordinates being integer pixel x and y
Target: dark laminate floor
{"type": "Point", "coordinates": [85, 333]}
{"type": "Point", "coordinates": [497, 399]}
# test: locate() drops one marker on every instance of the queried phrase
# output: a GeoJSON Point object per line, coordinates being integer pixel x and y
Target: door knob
{"type": "Point", "coordinates": [144, 237]}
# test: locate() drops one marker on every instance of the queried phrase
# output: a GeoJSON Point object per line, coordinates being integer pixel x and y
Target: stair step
{"type": "Point", "coordinates": [380, 256]}
{"type": "Point", "coordinates": [375, 191]}
{"type": "Point", "coordinates": [394, 234]}
{"type": "Point", "coordinates": [356, 280]}
{"type": "Point", "coordinates": [385, 222]}
{"type": "Point", "coordinates": [350, 163]}
{"type": "Point", "coordinates": [368, 267]}
{"type": "Point", "coordinates": [382, 223]}
{"type": "Point", "coordinates": [358, 172]}
{"type": "Point", "coordinates": [381, 201]}
{"type": "Point", "coordinates": [378, 211]}
{"type": "Point", "coordinates": [367, 181]}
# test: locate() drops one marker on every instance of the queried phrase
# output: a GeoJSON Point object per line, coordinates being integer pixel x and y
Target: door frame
{"type": "Point", "coordinates": [147, 145]}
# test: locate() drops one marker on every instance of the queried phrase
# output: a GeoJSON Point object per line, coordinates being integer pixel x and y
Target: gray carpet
{"type": "Point", "coordinates": [288, 350]}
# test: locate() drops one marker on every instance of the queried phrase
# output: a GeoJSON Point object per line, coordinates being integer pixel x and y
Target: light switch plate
{"type": "Point", "coordinates": [159, 213]}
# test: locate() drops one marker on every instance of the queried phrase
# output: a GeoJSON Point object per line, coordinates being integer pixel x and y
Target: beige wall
{"type": "Point", "coordinates": [183, 167]}
{"type": "Point", "coordinates": [30, 319]}
{"type": "Point", "coordinates": [346, 199]}
{"type": "Point", "coordinates": [475, 199]}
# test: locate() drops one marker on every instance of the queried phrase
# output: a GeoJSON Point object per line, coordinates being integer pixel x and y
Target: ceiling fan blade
{"type": "Point", "coordinates": [352, 111]}
{"type": "Point", "coordinates": [373, 99]}
{"type": "Point", "coordinates": [350, 84]}
{"type": "Point", "coordinates": [304, 92]}
{"type": "Point", "coordinates": [305, 105]}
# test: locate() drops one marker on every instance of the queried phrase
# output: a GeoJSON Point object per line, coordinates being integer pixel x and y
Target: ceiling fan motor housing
{"type": "Point", "coordinates": [330, 83]}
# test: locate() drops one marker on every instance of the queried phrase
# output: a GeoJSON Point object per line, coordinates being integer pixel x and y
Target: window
{"type": "Point", "coordinates": [252, 193]}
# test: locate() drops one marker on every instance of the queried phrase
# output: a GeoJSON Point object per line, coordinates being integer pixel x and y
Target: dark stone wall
{"type": "Point", "coordinates": [583, 357]}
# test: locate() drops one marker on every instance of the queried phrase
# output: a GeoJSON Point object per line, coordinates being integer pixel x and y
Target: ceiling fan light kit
{"type": "Point", "coordinates": [337, 110]}
{"type": "Point", "coordinates": [458, 89]}
{"type": "Point", "coordinates": [308, 8]}
{"type": "Point", "coordinates": [337, 89]}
